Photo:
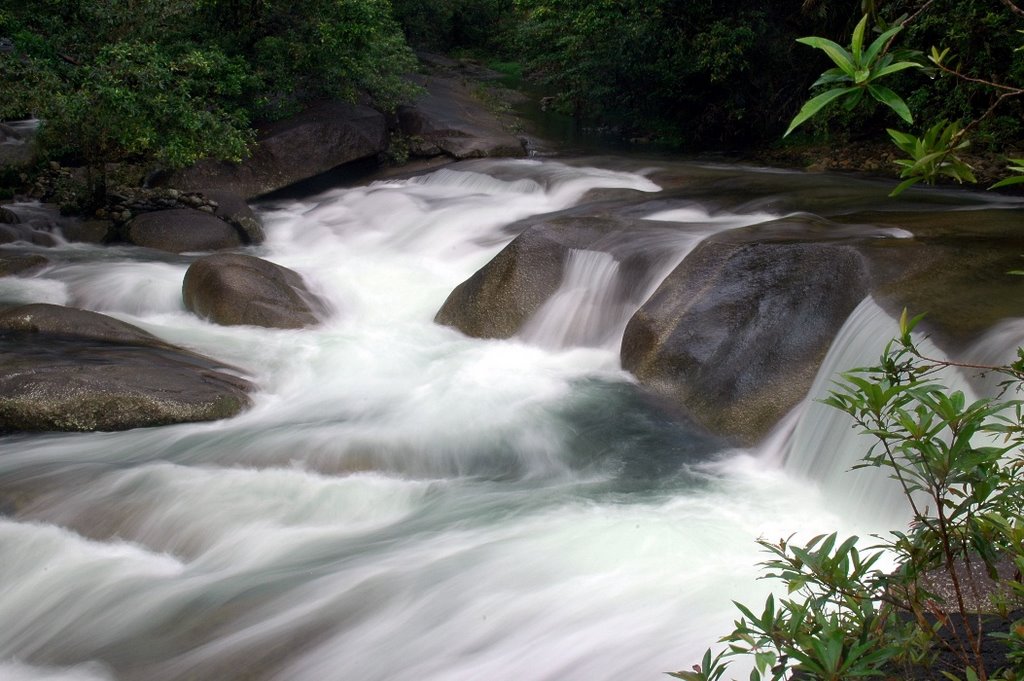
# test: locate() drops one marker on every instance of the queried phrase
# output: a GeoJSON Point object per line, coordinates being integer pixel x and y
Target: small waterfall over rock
{"type": "Point", "coordinates": [588, 310]}
{"type": "Point", "coordinates": [823, 445]}
{"type": "Point", "coordinates": [598, 295]}
{"type": "Point", "coordinates": [819, 443]}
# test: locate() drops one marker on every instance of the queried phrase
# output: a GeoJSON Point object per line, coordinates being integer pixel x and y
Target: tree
{"type": "Point", "coordinates": [172, 81]}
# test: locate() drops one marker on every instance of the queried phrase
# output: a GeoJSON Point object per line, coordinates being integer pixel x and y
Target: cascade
{"type": "Point", "coordinates": [819, 443]}
{"type": "Point", "coordinates": [594, 303]}
{"type": "Point", "coordinates": [403, 501]}
{"type": "Point", "coordinates": [587, 308]}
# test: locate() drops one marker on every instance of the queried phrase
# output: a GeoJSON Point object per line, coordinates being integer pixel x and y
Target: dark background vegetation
{"type": "Point", "coordinates": [175, 80]}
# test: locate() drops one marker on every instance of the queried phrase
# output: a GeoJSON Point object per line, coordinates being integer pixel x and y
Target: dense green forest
{"type": "Point", "coordinates": [176, 80]}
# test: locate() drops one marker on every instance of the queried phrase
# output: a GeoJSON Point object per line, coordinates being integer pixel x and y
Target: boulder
{"type": "Point", "coordinates": [181, 230]}
{"type": "Point", "coordinates": [321, 138]}
{"type": "Point", "coordinates": [735, 334]}
{"type": "Point", "coordinates": [957, 270]}
{"type": "Point", "coordinates": [91, 231]}
{"type": "Point", "coordinates": [63, 369]}
{"type": "Point", "coordinates": [232, 289]}
{"type": "Point", "coordinates": [501, 297]}
{"type": "Point", "coordinates": [13, 263]}
{"type": "Point", "coordinates": [56, 320]}
{"type": "Point", "coordinates": [233, 208]}
{"type": "Point", "coordinates": [447, 119]}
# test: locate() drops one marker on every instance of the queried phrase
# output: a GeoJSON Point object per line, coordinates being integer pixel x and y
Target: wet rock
{"type": "Point", "coordinates": [25, 232]}
{"type": "Point", "coordinates": [183, 230]}
{"type": "Point", "coordinates": [232, 289]}
{"type": "Point", "coordinates": [503, 295]}
{"type": "Point", "coordinates": [447, 119]}
{"type": "Point", "coordinates": [957, 270]}
{"type": "Point", "coordinates": [313, 142]}
{"type": "Point", "coordinates": [96, 231]}
{"type": "Point", "coordinates": [48, 319]}
{"type": "Point", "coordinates": [63, 369]}
{"type": "Point", "coordinates": [735, 334]}
{"type": "Point", "coordinates": [233, 208]}
{"type": "Point", "coordinates": [14, 264]}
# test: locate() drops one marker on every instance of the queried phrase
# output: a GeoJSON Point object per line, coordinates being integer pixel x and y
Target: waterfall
{"type": "Point", "coordinates": [587, 309]}
{"type": "Point", "coordinates": [594, 302]}
{"type": "Point", "coordinates": [819, 443]}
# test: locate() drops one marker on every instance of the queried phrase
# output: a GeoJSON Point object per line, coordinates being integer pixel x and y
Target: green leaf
{"type": "Point", "coordinates": [857, 44]}
{"type": "Point", "coordinates": [838, 54]}
{"type": "Point", "coordinates": [814, 105]}
{"type": "Point", "coordinates": [893, 68]}
{"type": "Point", "coordinates": [1006, 182]}
{"type": "Point", "coordinates": [879, 43]}
{"type": "Point", "coordinates": [834, 75]}
{"type": "Point", "coordinates": [891, 100]}
{"type": "Point", "coordinates": [903, 186]}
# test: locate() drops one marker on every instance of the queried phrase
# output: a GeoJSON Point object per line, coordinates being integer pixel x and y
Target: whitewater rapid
{"type": "Point", "coordinates": [402, 501]}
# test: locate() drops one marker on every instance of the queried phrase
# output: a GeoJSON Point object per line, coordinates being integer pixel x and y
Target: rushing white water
{"type": "Point", "coordinates": [402, 501]}
{"type": "Point", "coordinates": [584, 311]}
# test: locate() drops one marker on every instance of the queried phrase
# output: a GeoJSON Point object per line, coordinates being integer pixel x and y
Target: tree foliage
{"type": "Point", "coordinates": [699, 73]}
{"type": "Point", "coordinates": [172, 81]}
{"type": "Point", "coordinates": [486, 26]}
{"type": "Point", "coordinates": [972, 90]}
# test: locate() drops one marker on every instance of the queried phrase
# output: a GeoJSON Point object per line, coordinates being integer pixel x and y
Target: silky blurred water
{"type": "Point", "coordinates": [402, 501]}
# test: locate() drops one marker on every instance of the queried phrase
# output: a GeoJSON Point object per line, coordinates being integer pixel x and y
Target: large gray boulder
{"type": "Point", "coordinates": [182, 230]}
{"type": "Point", "coordinates": [501, 297]}
{"type": "Point", "coordinates": [232, 289]}
{"type": "Point", "coordinates": [63, 369]}
{"type": "Point", "coordinates": [447, 119]}
{"type": "Point", "coordinates": [319, 139]}
{"type": "Point", "coordinates": [735, 335]}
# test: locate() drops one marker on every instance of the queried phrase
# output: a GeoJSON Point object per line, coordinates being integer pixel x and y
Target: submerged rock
{"type": "Point", "coordinates": [13, 232]}
{"type": "Point", "coordinates": [232, 289]}
{"type": "Point", "coordinates": [735, 335]}
{"type": "Point", "coordinates": [63, 369]}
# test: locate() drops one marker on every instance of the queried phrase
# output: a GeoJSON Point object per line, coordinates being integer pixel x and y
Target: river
{"type": "Point", "coordinates": [404, 502]}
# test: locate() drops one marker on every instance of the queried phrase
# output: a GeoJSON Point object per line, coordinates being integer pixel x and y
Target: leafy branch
{"type": "Point", "coordinates": [859, 69]}
{"type": "Point", "coordinates": [938, 152]}
{"type": "Point", "coordinates": [960, 469]}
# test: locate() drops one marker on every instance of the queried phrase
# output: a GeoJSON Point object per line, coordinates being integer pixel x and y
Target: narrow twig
{"type": "Point", "coordinates": [1013, 8]}
{"type": "Point", "coordinates": [918, 13]}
